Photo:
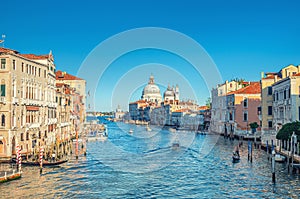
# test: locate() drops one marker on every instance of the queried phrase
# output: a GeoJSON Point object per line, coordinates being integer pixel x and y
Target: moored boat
{"type": "Point", "coordinates": [280, 158]}
{"type": "Point", "coordinates": [45, 163]}
{"type": "Point", "coordinates": [235, 158]}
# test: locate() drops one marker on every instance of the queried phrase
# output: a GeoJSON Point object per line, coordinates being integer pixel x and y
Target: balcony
{"type": "Point", "coordinates": [52, 121]}
{"type": "Point", "coordinates": [33, 125]}
{"type": "Point", "coordinates": [23, 101]}
{"type": "Point", "coordinates": [15, 100]}
{"type": "Point", "coordinates": [2, 100]}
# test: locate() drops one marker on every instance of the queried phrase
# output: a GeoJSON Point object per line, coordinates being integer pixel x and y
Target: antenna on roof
{"type": "Point", "coordinates": [2, 41]}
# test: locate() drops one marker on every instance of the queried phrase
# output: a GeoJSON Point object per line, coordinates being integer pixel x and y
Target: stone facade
{"type": "Point", "coordinates": [27, 104]}
{"type": "Point", "coordinates": [35, 111]}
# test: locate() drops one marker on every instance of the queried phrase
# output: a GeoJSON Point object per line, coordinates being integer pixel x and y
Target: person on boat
{"type": "Point", "coordinates": [236, 150]}
{"type": "Point", "coordinates": [53, 157]}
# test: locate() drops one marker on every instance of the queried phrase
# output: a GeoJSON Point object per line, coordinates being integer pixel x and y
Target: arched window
{"type": "Point", "coordinates": [27, 136]}
{"type": "Point", "coordinates": [2, 120]}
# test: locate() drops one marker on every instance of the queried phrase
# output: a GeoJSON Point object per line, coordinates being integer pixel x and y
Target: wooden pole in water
{"type": "Point", "coordinates": [41, 159]}
{"type": "Point", "coordinates": [273, 166]}
{"type": "Point", "coordinates": [76, 144]}
{"type": "Point", "coordinates": [251, 151]}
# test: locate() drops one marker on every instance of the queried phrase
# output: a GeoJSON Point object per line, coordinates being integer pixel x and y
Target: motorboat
{"type": "Point", "coordinates": [130, 131]}
{"type": "Point", "coordinates": [148, 128]}
{"type": "Point", "coordinates": [280, 158]}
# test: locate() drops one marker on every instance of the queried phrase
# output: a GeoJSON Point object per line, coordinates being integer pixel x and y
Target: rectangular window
{"type": "Point", "coordinates": [14, 64]}
{"type": "Point", "coordinates": [270, 124]}
{"type": "Point", "coordinates": [3, 63]}
{"type": "Point", "coordinates": [246, 102]}
{"type": "Point", "coordinates": [284, 94]}
{"type": "Point", "coordinates": [289, 94]}
{"type": "Point", "coordinates": [270, 90]}
{"type": "Point", "coordinates": [245, 116]}
{"type": "Point", "coordinates": [269, 110]}
{"type": "Point", "coordinates": [299, 113]}
{"type": "Point", "coordinates": [277, 96]}
{"type": "Point", "coordinates": [2, 90]}
{"type": "Point", "coordinates": [259, 110]}
{"type": "Point", "coordinates": [22, 67]}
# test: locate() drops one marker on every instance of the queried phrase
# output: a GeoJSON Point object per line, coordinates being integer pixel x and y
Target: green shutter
{"type": "Point", "coordinates": [2, 89]}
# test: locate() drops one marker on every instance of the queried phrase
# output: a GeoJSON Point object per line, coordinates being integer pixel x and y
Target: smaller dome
{"type": "Point", "coordinates": [169, 92]}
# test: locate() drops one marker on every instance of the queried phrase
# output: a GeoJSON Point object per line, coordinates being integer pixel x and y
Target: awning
{"type": "Point", "coordinates": [32, 108]}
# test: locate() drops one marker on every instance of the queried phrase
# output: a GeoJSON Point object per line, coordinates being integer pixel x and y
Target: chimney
{"type": "Point", "coordinates": [262, 75]}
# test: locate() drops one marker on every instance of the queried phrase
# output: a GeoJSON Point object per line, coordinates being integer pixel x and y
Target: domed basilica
{"type": "Point", "coordinates": [151, 93]}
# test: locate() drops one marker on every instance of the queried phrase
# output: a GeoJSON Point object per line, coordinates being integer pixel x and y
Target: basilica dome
{"type": "Point", "coordinates": [151, 92]}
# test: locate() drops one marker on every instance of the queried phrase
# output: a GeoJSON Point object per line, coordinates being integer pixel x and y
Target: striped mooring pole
{"type": "Point", "coordinates": [41, 159]}
{"type": "Point", "coordinates": [19, 157]}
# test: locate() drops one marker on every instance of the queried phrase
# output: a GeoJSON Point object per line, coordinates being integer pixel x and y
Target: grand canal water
{"type": "Point", "coordinates": [145, 165]}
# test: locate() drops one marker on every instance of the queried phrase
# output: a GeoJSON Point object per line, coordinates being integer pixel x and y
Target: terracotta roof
{"type": "Point", "coordinates": [202, 108]}
{"type": "Point", "coordinates": [184, 110]}
{"type": "Point", "coordinates": [269, 77]}
{"type": "Point", "coordinates": [139, 102]}
{"type": "Point", "coordinates": [7, 50]}
{"type": "Point", "coordinates": [65, 76]}
{"type": "Point", "coordinates": [253, 88]}
{"type": "Point", "coordinates": [33, 56]}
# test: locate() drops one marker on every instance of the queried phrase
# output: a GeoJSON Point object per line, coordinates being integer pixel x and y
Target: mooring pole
{"type": "Point", "coordinates": [273, 166]}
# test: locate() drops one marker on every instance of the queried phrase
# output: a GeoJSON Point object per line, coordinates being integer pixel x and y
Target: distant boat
{"type": "Point", "coordinates": [280, 158]}
{"type": "Point", "coordinates": [97, 136]}
{"type": "Point", "coordinates": [175, 144]}
{"type": "Point", "coordinates": [235, 157]}
{"type": "Point", "coordinates": [130, 131]}
{"type": "Point", "coordinates": [148, 128]}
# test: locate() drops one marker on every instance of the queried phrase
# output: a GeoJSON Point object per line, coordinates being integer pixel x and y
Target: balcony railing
{"type": "Point", "coordinates": [15, 100]}
{"type": "Point", "coordinates": [2, 100]}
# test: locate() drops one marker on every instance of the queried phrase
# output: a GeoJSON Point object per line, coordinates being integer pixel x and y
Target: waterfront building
{"type": "Point", "coordinates": [270, 104]}
{"type": "Point", "coordinates": [206, 112]}
{"type": "Point", "coordinates": [135, 107]}
{"type": "Point", "coordinates": [27, 101]}
{"type": "Point", "coordinates": [286, 104]}
{"type": "Point", "coordinates": [119, 114]}
{"type": "Point", "coordinates": [219, 104]}
{"type": "Point", "coordinates": [163, 112]}
{"type": "Point", "coordinates": [64, 109]}
{"type": "Point", "coordinates": [242, 106]}
{"type": "Point", "coordinates": [78, 84]}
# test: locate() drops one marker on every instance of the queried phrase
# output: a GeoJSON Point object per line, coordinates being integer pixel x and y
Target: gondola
{"type": "Point", "coordinates": [235, 157]}
{"type": "Point", "coordinates": [45, 163]}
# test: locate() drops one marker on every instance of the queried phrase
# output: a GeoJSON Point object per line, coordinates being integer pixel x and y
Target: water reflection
{"type": "Point", "coordinates": [188, 175]}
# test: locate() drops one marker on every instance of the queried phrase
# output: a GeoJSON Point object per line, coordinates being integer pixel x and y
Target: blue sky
{"type": "Point", "coordinates": [243, 38]}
